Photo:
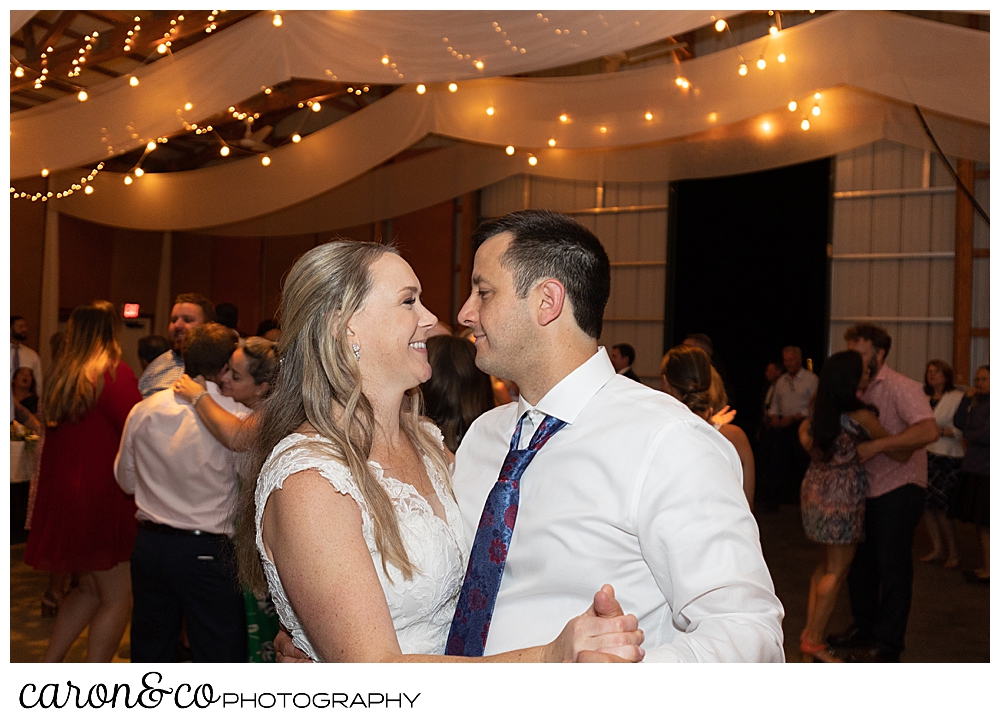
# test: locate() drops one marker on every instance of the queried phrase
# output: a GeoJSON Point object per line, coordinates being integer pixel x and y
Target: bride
{"type": "Point", "coordinates": [352, 524]}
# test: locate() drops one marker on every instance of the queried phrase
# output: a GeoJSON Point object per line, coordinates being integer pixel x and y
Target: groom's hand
{"type": "Point", "coordinates": [285, 650]}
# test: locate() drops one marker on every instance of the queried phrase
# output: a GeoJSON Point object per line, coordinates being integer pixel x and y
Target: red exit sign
{"type": "Point", "coordinates": [131, 311]}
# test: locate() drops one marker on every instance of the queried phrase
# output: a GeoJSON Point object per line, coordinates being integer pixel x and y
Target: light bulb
{"type": "Point", "coordinates": [128, 180]}
{"type": "Point", "coordinates": [509, 150]}
{"type": "Point", "coordinates": [712, 117]}
{"type": "Point", "coordinates": [792, 105]}
{"type": "Point", "coordinates": [480, 65]}
{"type": "Point", "coordinates": [720, 25]}
{"type": "Point", "coordinates": [265, 161]}
{"type": "Point", "coordinates": [385, 60]}
{"type": "Point", "coordinates": [224, 151]}
{"type": "Point", "coordinates": [151, 146]}
{"type": "Point", "coordinates": [604, 129]}
{"type": "Point", "coordinates": [817, 96]}
{"type": "Point", "coordinates": [316, 107]}
{"type": "Point", "coordinates": [649, 116]}
{"type": "Point", "coordinates": [552, 142]}
{"type": "Point", "coordinates": [139, 172]}
{"type": "Point", "coordinates": [188, 106]}
{"type": "Point", "coordinates": [805, 124]}
{"type": "Point", "coordinates": [421, 89]}
{"type": "Point", "coordinates": [773, 30]}
{"type": "Point", "coordinates": [82, 96]}
{"type": "Point", "coordinates": [161, 48]}
{"type": "Point", "coordinates": [276, 20]}
{"type": "Point", "coordinates": [296, 138]}
{"type": "Point", "coordinates": [491, 110]}
{"type": "Point", "coordinates": [680, 82]}
{"type": "Point", "coordinates": [816, 110]}
{"type": "Point", "coordinates": [766, 126]}
{"type": "Point", "coordinates": [133, 81]}
{"type": "Point", "coordinates": [743, 68]}
{"type": "Point", "coordinates": [88, 190]}
{"type": "Point", "coordinates": [452, 87]}
{"type": "Point", "coordinates": [564, 118]}
{"type": "Point", "coordinates": [761, 63]}
{"type": "Point", "coordinates": [532, 161]}
{"type": "Point", "coordinates": [19, 72]}
{"type": "Point", "coordinates": [45, 173]}
{"type": "Point", "coordinates": [781, 58]}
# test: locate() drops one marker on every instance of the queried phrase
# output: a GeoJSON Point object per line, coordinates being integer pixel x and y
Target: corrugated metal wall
{"type": "Point", "coordinates": [630, 219]}
{"type": "Point", "coordinates": [980, 353]}
{"type": "Point", "coordinates": [893, 253]}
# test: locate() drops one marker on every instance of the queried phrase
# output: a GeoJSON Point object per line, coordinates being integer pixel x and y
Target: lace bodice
{"type": "Point", "coordinates": [422, 608]}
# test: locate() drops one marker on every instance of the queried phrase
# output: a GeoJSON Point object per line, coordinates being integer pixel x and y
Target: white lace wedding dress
{"type": "Point", "coordinates": [422, 608]}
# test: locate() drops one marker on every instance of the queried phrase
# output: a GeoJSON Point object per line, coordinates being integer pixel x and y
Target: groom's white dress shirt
{"type": "Point", "coordinates": [635, 491]}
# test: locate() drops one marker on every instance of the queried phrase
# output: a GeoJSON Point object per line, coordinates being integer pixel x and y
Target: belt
{"type": "Point", "coordinates": [168, 530]}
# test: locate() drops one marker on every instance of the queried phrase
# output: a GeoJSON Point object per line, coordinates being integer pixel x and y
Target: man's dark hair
{"type": "Point", "coordinates": [878, 336]}
{"type": "Point", "coordinates": [545, 245]}
{"type": "Point", "coordinates": [152, 346]}
{"type": "Point", "coordinates": [265, 326]}
{"type": "Point", "coordinates": [227, 314]}
{"type": "Point", "coordinates": [836, 395]}
{"type": "Point", "coordinates": [207, 307]}
{"type": "Point", "coordinates": [627, 351]}
{"type": "Point", "coordinates": [14, 317]}
{"type": "Point", "coordinates": [704, 339]}
{"type": "Point", "coordinates": [207, 348]}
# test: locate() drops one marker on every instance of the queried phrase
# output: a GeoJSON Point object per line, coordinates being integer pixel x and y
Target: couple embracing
{"type": "Point", "coordinates": [373, 549]}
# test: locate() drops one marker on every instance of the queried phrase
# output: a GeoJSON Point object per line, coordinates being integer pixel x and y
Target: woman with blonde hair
{"type": "Point", "coordinates": [688, 375]}
{"type": "Point", "coordinates": [82, 521]}
{"type": "Point", "coordinates": [352, 523]}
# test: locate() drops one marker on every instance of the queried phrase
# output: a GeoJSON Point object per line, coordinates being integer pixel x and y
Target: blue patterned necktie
{"type": "Point", "coordinates": [471, 625]}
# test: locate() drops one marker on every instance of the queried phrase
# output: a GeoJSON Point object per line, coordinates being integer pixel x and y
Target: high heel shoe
{"type": "Point", "coordinates": [50, 606]}
{"type": "Point", "coordinates": [816, 652]}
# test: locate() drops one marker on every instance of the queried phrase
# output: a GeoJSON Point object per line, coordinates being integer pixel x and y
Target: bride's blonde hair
{"type": "Point", "coordinates": [319, 382]}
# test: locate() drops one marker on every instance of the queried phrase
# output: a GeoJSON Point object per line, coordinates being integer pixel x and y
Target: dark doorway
{"type": "Point", "coordinates": [749, 268]}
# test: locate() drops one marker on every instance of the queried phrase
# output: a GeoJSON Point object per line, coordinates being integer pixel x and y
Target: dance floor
{"type": "Point", "coordinates": [949, 622]}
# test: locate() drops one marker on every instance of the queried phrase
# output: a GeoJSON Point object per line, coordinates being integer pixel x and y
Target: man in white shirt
{"type": "Point", "coordinates": [22, 356]}
{"type": "Point", "coordinates": [184, 486]}
{"type": "Point", "coordinates": [635, 490]}
{"type": "Point", "coordinates": [793, 393]}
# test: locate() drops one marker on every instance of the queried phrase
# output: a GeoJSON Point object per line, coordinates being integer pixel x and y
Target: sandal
{"type": "Point", "coordinates": [816, 652]}
{"type": "Point", "coordinates": [50, 605]}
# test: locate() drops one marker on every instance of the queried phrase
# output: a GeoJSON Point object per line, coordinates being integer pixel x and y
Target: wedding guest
{"type": "Point", "coordinates": [972, 498]}
{"type": "Point", "coordinates": [24, 392]}
{"type": "Point", "coordinates": [151, 347]}
{"type": "Point", "coordinates": [188, 311]}
{"type": "Point", "coordinates": [944, 458]}
{"type": "Point", "coordinates": [82, 522]}
{"type": "Point", "coordinates": [457, 392]}
{"type": "Point", "coordinates": [20, 354]}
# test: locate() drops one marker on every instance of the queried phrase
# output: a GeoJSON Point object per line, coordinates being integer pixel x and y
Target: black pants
{"type": "Point", "coordinates": [187, 577]}
{"type": "Point", "coordinates": [881, 576]}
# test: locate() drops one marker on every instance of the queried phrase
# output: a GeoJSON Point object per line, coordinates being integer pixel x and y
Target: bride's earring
{"type": "Point", "coordinates": [357, 351]}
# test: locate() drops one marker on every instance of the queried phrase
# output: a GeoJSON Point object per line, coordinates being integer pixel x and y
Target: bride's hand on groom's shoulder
{"type": "Point", "coordinates": [285, 650]}
{"type": "Point", "coordinates": [602, 634]}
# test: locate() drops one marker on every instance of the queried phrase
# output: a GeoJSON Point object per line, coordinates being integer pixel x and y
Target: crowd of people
{"type": "Point", "coordinates": [356, 474]}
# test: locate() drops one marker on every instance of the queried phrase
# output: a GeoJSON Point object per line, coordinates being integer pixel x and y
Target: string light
{"type": "Point", "coordinates": [151, 146]}
{"type": "Point", "coordinates": [720, 25]}
{"type": "Point", "coordinates": [713, 117]}
{"type": "Point", "coordinates": [817, 96]}
{"type": "Point", "coordinates": [792, 106]}
{"type": "Point", "coordinates": [265, 161]}
{"type": "Point", "coordinates": [552, 142]}
{"type": "Point", "coordinates": [19, 72]}
{"type": "Point", "coordinates": [604, 129]}
{"type": "Point", "coordinates": [421, 89]}
{"type": "Point", "coordinates": [276, 20]}
{"type": "Point", "coordinates": [480, 65]}
{"type": "Point", "coordinates": [128, 180]}
{"type": "Point", "coordinates": [532, 161]}
{"type": "Point", "coordinates": [88, 190]}
{"type": "Point", "coordinates": [296, 138]}
{"type": "Point", "coordinates": [648, 116]}
{"type": "Point", "coordinates": [452, 87]}
{"type": "Point", "coordinates": [45, 173]}
{"type": "Point", "coordinates": [766, 126]}
{"type": "Point", "coordinates": [773, 30]}
{"type": "Point", "coordinates": [161, 48]}
{"type": "Point", "coordinates": [316, 107]}
{"type": "Point", "coordinates": [133, 81]}
{"type": "Point", "coordinates": [804, 124]}
{"type": "Point", "coordinates": [761, 63]}
{"type": "Point", "coordinates": [385, 60]}
{"type": "Point", "coordinates": [224, 151]}
{"type": "Point", "coordinates": [509, 150]}
{"type": "Point", "coordinates": [816, 110]}
{"type": "Point", "coordinates": [139, 172]}
{"type": "Point", "coordinates": [782, 58]}
{"type": "Point", "coordinates": [564, 118]}
{"type": "Point", "coordinates": [743, 69]}
{"type": "Point", "coordinates": [82, 96]}
{"type": "Point", "coordinates": [683, 83]}
{"type": "Point", "coordinates": [491, 110]}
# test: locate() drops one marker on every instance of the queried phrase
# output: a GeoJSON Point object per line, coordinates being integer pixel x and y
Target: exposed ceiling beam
{"type": "Point", "coordinates": [57, 28]}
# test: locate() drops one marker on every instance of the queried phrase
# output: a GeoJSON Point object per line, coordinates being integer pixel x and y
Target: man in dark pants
{"type": "Point", "coordinates": [881, 576]}
{"type": "Point", "coordinates": [183, 481]}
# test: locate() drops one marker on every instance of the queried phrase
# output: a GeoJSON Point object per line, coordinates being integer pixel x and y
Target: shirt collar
{"type": "Point", "coordinates": [567, 399]}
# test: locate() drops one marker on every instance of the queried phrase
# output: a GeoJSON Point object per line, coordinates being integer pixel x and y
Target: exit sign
{"type": "Point", "coordinates": [131, 311]}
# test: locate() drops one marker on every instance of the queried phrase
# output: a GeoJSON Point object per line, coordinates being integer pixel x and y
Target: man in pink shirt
{"type": "Point", "coordinates": [881, 576]}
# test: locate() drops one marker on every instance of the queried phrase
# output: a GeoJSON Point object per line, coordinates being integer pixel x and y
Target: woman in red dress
{"type": "Point", "coordinates": [83, 523]}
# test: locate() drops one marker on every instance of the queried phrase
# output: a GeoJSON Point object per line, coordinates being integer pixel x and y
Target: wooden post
{"type": "Point", "coordinates": [962, 328]}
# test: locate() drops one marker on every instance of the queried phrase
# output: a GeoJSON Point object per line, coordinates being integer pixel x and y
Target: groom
{"type": "Point", "coordinates": [633, 489]}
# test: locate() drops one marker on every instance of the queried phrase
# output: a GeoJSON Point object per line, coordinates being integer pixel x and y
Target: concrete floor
{"type": "Point", "coordinates": [949, 622]}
